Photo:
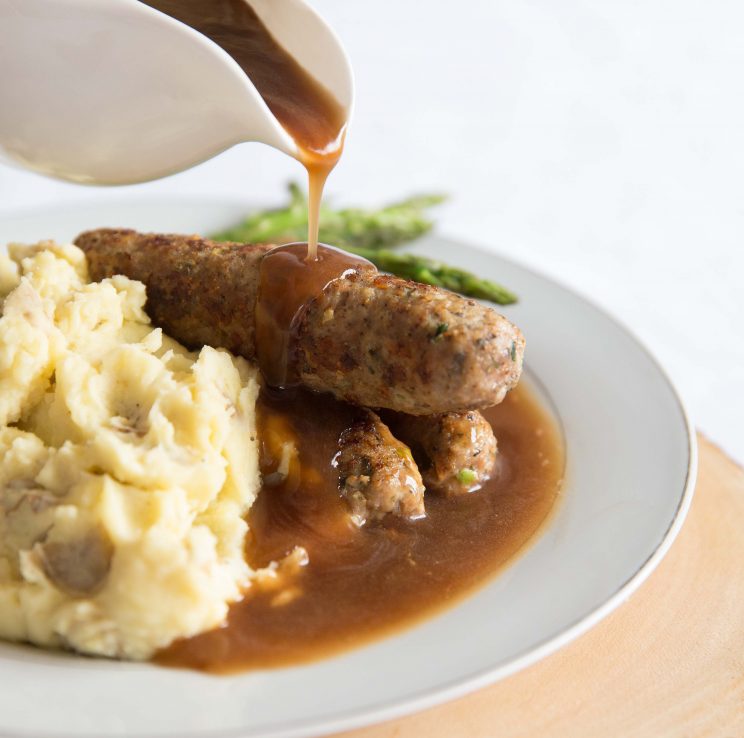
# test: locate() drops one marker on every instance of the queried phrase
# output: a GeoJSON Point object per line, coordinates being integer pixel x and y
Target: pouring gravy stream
{"type": "Point", "coordinates": [309, 113]}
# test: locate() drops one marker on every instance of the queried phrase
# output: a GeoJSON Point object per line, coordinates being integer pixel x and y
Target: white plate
{"type": "Point", "coordinates": [630, 476]}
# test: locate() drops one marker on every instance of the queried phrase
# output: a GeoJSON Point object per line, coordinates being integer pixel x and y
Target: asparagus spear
{"type": "Point", "coordinates": [430, 271]}
{"type": "Point", "coordinates": [347, 228]}
{"type": "Point", "coordinates": [369, 233]}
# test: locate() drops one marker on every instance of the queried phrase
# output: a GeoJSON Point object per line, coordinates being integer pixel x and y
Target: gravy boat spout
{"type": "Point", "coordinates": [116, 92]}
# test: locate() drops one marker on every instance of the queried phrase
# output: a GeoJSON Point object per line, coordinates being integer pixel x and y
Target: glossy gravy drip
{"type": "Point", "coordinates": [361, 584]}
{"type": "Point", "coordinates": [306, 109]}
{"type": "Point", "coordinates": [287, 285]}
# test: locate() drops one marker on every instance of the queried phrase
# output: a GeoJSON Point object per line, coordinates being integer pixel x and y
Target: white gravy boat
{"type": "Point", "coordinates": [114, 92]}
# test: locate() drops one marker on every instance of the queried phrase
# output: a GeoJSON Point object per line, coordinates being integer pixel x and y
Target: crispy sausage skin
{"type": "Point", "coordinates": [455, 452]}
{"type": "Point", "coordinates": [199, 292]}
{"type": "Point", "coordinates": [369, 339]}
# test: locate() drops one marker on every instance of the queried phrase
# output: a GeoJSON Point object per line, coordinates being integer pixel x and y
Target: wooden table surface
{"type": "Point", "coordinates": [667, 663]}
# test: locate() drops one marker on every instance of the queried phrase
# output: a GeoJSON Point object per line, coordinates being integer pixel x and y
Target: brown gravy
{"type": "Point", "coordinates": [306, 109]}
{"type": "Point", "coordinates": [361, 584]}
{"type": "Point", "coordinates": [287, 285]}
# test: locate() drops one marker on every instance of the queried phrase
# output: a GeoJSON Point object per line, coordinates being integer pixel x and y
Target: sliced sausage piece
{"type": "Point", "coordinates": [369, 339]}
{"type": "Point", "coordinates": [455, 452]}
{"type": "Point", "coordinates": [377, 473]}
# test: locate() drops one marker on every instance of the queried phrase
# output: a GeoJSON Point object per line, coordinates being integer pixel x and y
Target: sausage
{"type": "Point", "coordinates": [455, 452]}
{"type": "Point", "coordinates": [369, 339]}
{"type": "Point", "coordinates": [377, 473]}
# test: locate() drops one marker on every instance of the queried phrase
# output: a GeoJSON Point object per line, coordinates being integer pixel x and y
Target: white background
{"type": "Point", "coordinates": [601, 142]}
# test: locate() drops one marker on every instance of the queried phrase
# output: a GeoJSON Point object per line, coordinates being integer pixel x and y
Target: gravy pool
{"type": "Point", "coordinates": [361, 584]}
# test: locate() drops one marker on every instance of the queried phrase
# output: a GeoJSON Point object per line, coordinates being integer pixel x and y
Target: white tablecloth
{"type": "Point", "coordinates": [600, 142]}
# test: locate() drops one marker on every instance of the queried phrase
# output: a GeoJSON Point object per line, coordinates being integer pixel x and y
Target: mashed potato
{"type": "Point", "coordinates": [126, 465]}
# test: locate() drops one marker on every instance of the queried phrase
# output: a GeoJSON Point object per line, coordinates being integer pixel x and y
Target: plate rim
{"type": "Point", "coordinates": [459, 687]}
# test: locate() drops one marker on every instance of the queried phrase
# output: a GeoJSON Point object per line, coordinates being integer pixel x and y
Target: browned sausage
{"type": "Point", "coordinates": [377, 473]}
{"type": "Point", "coordinates": [455, 452]}
{"type": "Point", "coordinates": [369, 339]}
